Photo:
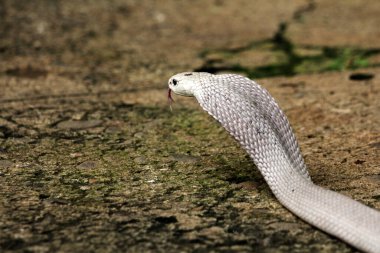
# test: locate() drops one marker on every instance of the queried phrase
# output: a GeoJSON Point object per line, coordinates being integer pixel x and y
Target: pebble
{"type": "Point", "coordinates": [141, 160]}
{"type": "Point", "coordinates": [185, 158]}
{"type": "Point", "coordinates": [5, 164]}
{"type": "Point", "coordinates": [76, 124]}
{"type": "Point", "coordinates": [88, 165]}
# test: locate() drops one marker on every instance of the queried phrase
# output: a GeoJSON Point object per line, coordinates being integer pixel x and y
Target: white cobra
{"type": "Point", "coordinates": [251, 115]}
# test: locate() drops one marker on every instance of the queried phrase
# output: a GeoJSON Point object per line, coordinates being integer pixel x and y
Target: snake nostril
{"type": "Point", "coordinates": [175, 82]}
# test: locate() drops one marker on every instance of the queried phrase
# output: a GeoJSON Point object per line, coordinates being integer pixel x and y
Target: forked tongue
{"type": "Point", "coordinates": [170, 99]}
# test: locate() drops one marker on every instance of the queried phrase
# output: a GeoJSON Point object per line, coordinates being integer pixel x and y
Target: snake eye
{"type": "Point", "coordinates": [175, 82]}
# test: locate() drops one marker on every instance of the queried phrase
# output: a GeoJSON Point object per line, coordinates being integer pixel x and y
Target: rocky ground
{"type": "Point", "coordinates": [93, 160]}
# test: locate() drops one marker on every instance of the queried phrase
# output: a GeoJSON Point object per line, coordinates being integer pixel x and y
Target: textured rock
{"type": "Point", "coordinates": [338, 23]}
{"type": "Point", "coordinates": [92, 158]}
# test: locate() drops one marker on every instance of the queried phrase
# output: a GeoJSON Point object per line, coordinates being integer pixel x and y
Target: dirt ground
{"type": "Point", "coordinates": [93, 160]}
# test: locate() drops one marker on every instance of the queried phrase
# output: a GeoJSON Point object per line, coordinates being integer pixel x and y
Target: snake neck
{"type": "Point", "coordinates": [255, 120]}
{"type": "Point", "coordinates": [251, 115]}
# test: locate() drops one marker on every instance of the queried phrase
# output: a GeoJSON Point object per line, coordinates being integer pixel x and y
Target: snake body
{"type": "Point", "coordinates": [251, 115]}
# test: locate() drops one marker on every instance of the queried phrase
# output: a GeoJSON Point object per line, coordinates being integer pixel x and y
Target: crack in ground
{"type": "Point", "coordinates": [319, 59]}
{"type": "Point", "coordinates": [76, 95]}
{"type": "Point", "coordinates": [300, 13]}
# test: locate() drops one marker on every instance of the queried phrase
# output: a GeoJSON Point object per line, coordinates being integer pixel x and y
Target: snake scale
{"type": "Point", "coordinates": [252, 116]}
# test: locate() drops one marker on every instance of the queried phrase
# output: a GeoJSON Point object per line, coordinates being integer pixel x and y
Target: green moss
{"type": "Point", "coordinates": [291, 59]}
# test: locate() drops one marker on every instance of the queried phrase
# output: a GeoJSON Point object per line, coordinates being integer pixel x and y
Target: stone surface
{"type": "Point", "coordinates": [338, 23]}
{"type": "Point", "coordinates": [93, 160]}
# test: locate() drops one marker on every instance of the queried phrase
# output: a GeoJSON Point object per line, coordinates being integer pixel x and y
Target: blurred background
{"type": "Point", "coordinates": [92, 159]}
